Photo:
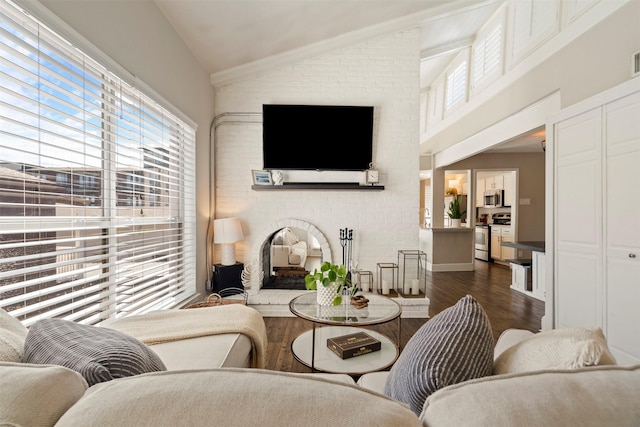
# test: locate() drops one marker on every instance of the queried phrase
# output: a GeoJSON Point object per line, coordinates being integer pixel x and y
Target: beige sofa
{"type": "Point", "coordinates": [287, 250]}
{"type": "Point", "coordinates": [521, 391]}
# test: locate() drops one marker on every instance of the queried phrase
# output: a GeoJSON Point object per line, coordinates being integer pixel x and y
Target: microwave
{"type": "Point", "coordinates": [494, 199]}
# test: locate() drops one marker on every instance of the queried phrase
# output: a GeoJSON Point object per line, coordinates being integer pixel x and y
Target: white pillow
{"type": "Point", "coordinates": [289, 237]}
{"type": "Point", "coordinates": [37, 395]}
{"type": "Point", "coordinates": [12, 336]}
{"type": "Point", "coordinates": [566, 348]}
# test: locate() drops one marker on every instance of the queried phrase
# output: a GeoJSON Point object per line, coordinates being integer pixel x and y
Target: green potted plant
{"type": "Point", "coordinates": [455, 211]}
{"type": "Point", "coordinates": [329, 282]}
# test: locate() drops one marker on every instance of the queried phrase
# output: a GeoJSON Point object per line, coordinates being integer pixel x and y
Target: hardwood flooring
{"type": "Point", "coordinates": [489, 284]}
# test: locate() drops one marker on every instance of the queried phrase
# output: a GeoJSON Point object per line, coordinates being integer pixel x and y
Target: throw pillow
{"type": "Point", "coordinates": [566, 348]}
{"type": "Point", "coordinates": [98, 354]}
{"type": "Point", "coordinates": [454, 346]}
{"type": "Point", "coordinates": [37, 395]}
{"type": "Point", "coordinates": [289, 237]}
{"type": "Point", "coordinates": [12, 336]}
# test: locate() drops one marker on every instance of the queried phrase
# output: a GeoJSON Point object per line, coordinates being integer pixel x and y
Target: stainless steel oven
{"type": "Point", "coordinates": [483, 242]}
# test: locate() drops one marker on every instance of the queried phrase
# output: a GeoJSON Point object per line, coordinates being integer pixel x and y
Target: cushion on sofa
{"type": "Point", "coordinates": [98, 354]}
{"type": "Point", "coordinates": [593, 396]}
{"type": "Point", "coordinates": [455, 345]}
{"type": "Point", "coordinates": [37, 395]}
{"type": "Point", "coordinates": [508, 338]}
{"type": "Point", "coordinates": [234, 397]}
{"type": "Point", "coordinates": [565, 348]}
{"type": "Point", "coordinates": [12, 336]}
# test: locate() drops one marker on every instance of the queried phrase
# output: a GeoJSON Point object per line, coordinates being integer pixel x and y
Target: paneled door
{"type": "Point", "coordinates": [578, 199]}
{"type": "Point", "coordinates": [622, 136]}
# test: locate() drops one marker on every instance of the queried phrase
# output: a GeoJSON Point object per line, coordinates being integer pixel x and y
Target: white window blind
{"type": "Point", "coordinates": [533, 23]}
{"type": "Point", "coordinates": [487, 57]}
{"type": "Point", "coordinates": [97, 192]}
{"type": "Point", "coordinates": [456, 84]}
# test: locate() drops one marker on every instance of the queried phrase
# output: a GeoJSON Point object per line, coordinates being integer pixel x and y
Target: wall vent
{"type": "Point", "coordinates": [635, 64]}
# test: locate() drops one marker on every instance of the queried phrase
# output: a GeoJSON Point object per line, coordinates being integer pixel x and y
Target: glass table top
{"type": "Point", "coordinates": [380, 310]}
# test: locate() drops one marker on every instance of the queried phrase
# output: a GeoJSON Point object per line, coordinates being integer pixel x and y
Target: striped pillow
{"type": "Point", "coordinates": [454, 346]}
{"type": "Point", "coordinates": [98, 354]}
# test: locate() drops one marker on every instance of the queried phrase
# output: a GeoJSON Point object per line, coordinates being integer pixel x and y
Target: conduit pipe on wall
{"type": "Point", "coordinates": [237, 118]}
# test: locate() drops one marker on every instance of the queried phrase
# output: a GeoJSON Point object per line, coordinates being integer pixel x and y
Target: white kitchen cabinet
{"type": "Point", "coordinates": [596, 206]}
{"type": "Point", "coordinates": [501, 234]}
{"type": "Point", "coordinates": [495, 182]}
{"type": "Point", "coordinates": [509, 186]}
{"type": "Point", "coordinates": [480, 189]}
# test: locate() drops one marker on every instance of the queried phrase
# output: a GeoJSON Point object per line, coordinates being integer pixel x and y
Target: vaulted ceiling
{"type": "Point", "coordinates": [235, 37]}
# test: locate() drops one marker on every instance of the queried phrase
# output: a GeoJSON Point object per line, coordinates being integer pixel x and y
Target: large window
{"type": "Point", "coordinates": [97, 210]}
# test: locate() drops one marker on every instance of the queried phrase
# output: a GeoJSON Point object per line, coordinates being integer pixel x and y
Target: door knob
{"type": "Point", "coordinates": [632, 255]}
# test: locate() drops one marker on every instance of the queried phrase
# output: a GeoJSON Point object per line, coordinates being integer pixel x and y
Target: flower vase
{"type": "Point", "coordinates": [326, 294]}
{"type": "Point", "coordinates": [455, 222]}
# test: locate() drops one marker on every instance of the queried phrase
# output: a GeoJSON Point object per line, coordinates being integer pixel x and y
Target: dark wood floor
{"type": "Point", "coordinates": [489, 284]}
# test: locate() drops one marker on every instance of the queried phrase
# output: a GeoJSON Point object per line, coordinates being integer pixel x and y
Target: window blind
{"type": "Point", "coordinates": [456, 85]}
{"type": "Point", "coordinates": [533, 23]}
{"type": "Point", "coordinates": [487, 58]}
{"type": "Point", "coordinates": [97, 192]}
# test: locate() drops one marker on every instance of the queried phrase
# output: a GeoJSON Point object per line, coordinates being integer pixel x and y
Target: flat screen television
{"type": "Point", "coordinates": [317, 137]}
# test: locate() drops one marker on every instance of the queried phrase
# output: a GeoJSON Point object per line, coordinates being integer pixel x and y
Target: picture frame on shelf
{"type": "Point", "coordinates": [261, 177]}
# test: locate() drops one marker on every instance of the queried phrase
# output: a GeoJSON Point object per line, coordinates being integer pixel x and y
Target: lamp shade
{"type": "Point", "coordinates": [227, 230]}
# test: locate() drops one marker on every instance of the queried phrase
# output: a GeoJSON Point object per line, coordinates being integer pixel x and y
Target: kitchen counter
{"type": "Point", "coordinates": [520, 282]}
{"type": "Point", "coordinates": [447, 229]}
{"type": "Point", "coordinates": [527, 246]}
{"type": "Point", "coordinates": [448, 248]}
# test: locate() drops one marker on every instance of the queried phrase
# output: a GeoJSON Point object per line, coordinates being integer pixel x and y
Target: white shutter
{"type": "Point", "coordinates": [487, 53]}
{"type": "Point", "coordinates": [96, 185]}
{"type": "Point", "coordinates": [534, 22]}
{"type": "Point", "coordinates": [456, 84]}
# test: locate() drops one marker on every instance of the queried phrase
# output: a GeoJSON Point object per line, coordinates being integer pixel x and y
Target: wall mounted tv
{"type": "Point", "coordinates": [317, 137]}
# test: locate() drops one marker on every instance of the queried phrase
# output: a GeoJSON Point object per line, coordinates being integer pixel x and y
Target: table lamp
{"type": "Point", "coordinates": [226, 232]}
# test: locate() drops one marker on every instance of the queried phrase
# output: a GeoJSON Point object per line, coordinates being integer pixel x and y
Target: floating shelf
{"type": "Point", "coordinates": [317, 186]}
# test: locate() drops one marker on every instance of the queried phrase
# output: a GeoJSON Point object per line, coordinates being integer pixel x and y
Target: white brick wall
{"type": "Point", "coordinates": [383, 72]}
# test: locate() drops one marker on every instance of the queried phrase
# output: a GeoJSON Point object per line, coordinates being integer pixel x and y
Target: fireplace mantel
{"type": "Point", "coordinates": [317, 186]}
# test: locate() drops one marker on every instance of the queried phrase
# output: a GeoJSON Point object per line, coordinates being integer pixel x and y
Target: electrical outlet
{"type": "Point", "coordinates": [524, 202]}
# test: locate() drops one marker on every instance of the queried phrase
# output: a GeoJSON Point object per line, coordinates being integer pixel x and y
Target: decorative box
{"type": "Point", "coordinates": [352, 345]}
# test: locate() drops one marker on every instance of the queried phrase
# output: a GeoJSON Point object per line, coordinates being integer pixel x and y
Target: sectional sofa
{"type": "Point", "coordinates": [555, 378]}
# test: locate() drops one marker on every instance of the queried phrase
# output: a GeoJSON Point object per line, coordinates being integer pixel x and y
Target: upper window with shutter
{"type": "Point", "coordinates": [533, 22]}
{"type": "Point", "coordinates": [487, 53]}
{"type": "Point", "coordinates": [456, 81]}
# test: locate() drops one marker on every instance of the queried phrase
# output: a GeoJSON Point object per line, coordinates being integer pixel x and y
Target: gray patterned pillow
{"type": "Point", "coordinates": [98, 354]}
{"type": "Point", "coordinates": [454, 346]}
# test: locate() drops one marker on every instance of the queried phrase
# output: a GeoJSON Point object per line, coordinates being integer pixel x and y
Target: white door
{"type": "Point", "coordinates": [623, 227]}
{"type": "Point", "coordinates": [578, 200]}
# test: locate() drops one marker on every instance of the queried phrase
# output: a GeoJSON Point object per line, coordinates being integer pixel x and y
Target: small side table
{"type": "Point", "coordinates": [227, 276]}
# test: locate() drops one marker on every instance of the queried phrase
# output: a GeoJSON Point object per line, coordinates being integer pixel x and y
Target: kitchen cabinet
{"type": "Point", "coordinates": [495, 182]}
{"type": "Point", "coordinates": [509, 186]}
{"type": "Point", "coordinates": [480, 189]}
{"type": "Point", "coordinates": [596, 206]}
{"type": "Point", "coordinates": [501, 234]}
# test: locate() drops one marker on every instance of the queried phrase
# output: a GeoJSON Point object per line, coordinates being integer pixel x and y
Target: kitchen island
{"type": "Point", "coordinates": [448, 248]}
{"type": "Point", "coordinates": [534, 287]}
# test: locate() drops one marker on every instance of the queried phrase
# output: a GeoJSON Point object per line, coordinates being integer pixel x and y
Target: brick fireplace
{"type": "Point", "coordinates": [262, 251]}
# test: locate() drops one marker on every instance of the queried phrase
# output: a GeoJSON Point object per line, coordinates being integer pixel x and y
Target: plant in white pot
{"type": "Point", "coordinates": [455, 211]}
{"type": "Point", "coordinates": [329, 282]}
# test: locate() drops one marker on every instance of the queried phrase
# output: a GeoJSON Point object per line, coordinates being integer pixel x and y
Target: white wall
{"type": "Point", "coordinates": [138, 37]}
{"type": "Point", "coordinates": [383, 72]}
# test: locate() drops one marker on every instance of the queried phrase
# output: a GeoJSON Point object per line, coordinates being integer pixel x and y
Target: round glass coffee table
{"type": "Point", "coordinates": [310, 348]}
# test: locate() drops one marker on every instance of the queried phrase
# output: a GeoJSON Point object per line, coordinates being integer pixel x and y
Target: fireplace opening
{"type": "Point", "coordinates": [288, 255]}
